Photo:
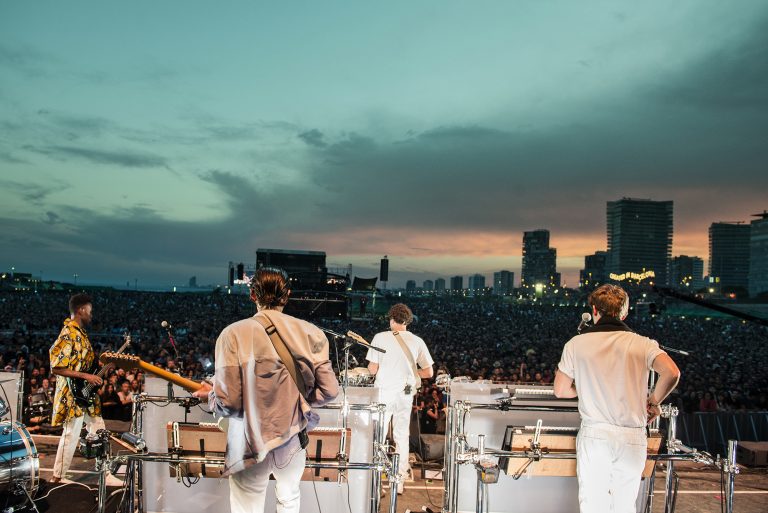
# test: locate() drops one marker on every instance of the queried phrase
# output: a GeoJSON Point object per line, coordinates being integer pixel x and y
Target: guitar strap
{"type": "Point", "coordinates": [286, 356]}
{"type": "Point", "coordinates": [408, 356]}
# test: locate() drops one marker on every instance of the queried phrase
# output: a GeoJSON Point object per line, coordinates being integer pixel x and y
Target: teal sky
{"type": "Point", "coordinates": [160, 140]}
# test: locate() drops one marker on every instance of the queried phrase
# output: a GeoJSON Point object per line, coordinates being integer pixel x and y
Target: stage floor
{"type": "Point", "coordinates": [699, 490]}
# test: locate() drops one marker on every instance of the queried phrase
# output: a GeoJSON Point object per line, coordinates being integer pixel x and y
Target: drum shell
{"type": "Point", "coordinates": [19, 461]}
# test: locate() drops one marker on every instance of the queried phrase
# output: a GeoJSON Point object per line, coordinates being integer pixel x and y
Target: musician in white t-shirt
{"type": "Point", "coordinates": [607, 367]}
{"type": "Point", "coordinates": [399, 377]}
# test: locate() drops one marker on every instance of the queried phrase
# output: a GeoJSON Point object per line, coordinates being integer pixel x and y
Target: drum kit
{"type": "Point", "coordinates": [19, 462]}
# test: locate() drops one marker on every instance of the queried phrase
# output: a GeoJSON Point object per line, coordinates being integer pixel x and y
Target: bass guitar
{"type": "Point", "coordinates": [85, 392]}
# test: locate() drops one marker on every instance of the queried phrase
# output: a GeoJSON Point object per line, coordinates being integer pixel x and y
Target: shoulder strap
{"type": "Point", "coordinates": [283, 352]}
{"type": "Point", "coordinates": [408, 355]}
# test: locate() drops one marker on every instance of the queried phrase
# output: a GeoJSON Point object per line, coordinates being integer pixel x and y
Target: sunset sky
{"type": "Point", "coordinates": [160, 140]}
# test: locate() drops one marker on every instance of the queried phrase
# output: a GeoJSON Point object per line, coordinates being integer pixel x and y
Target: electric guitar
{"type": "Point", "coordinates": [85, 392]}
{"type": "Point", "coordinates": [128, 362]}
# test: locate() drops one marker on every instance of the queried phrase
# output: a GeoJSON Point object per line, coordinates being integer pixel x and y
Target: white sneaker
{"type": "Point", "coordinates": [400, 488]}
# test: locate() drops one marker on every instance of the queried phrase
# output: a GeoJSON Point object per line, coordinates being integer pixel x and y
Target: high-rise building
{"type": "Point", "coordinates": [539, 260]}
{"type": "Point", "coordinates": [729, 254]}
{"type": "Point", "coordinates": [457, 283]}
{"type": "Point", "coordinates": [476, 282]}
{"type": "Point", "coordinates": [410, 285]}
{"type": "Point", "coordinates": [428, 285]}
{"type": "Point", "coordinates": [686, 273]}
{"type": "Point", "coordinates": [440, 285]}
{"type": "Point", "coordinates": [503, 283]}
{"type": "Point", "coordinates": [758, 255]}
{"type": "Point", "coordinates": [594, 274]}
{"type": "Point", "coordinates": [639, 238]}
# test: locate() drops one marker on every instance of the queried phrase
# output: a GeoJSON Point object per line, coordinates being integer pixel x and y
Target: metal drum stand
{"type": "Point", "coordinates": [382, 461]}
{"type": "Point", "coordinates": [460, 452]}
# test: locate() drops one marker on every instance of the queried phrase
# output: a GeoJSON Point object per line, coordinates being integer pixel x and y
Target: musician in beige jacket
{"type": "Point", "coordinates": [254, 389]}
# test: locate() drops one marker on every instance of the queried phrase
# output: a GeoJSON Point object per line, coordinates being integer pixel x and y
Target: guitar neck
{"type": "Point", "coordinates": [184, 383]}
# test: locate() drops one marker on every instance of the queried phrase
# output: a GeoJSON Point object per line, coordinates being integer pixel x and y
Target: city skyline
{"type": "Point", "coordinates": [366, 131]}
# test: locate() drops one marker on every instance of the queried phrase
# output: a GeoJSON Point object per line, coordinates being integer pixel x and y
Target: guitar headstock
{"type": "Point", "coordinates": [122, 361]}
{"type": "Point", "coordinates": [352, 334]}
{"type": "Point", "coordinates": [126, 342]}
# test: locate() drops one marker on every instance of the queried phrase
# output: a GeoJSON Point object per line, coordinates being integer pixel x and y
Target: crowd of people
{"type": "Point", "coordinates": [481, 338]}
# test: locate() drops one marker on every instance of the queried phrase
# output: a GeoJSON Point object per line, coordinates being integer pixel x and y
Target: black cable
{"type": "Point", "coordinates": [349, 504]}
{"type": "Point", "coordinates": [317, 498]}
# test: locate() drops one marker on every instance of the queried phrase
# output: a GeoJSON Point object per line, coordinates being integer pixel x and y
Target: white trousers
{"type": "Point", "coordinates": [70, 436]}
{"type": "Point", "coordinates": [399, 411]}
{"type": "Point", "coordinates": [248, 488]}
{"type": "Point", "coordinates": [609, 465]}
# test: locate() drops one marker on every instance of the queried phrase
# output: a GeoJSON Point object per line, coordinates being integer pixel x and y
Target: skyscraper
{"type": "Point", "coordinates": [729, 254]}
{"type": "Point", "coordinates": [594, 273]}
{"type": "Point", "coordinates": [440, 285]}
{"type": "Point", "coordinates": [503, 283]}
{"type": "Point", "coordinates": [539, 260]}
{"type": "Point", "coordinates": [686, 273]}
{"type": "Point", "coordinates": [457, 283]}
{"type": "Point", "coordinates": [758, 255]}
{"type": "Point", "coordinates": [410, 286]}
{"type": "Point", "coordinates": [476, 282]}
{"type": "Point", "coordinates": [428, 285]}
{"type": "Point", "coordinates": [640, 237]}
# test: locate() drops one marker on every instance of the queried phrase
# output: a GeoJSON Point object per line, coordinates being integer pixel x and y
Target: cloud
{"type": "Point", "coordinates": [25, 60]}
{"type": "Point", "coordinates": [313, 137]}
{"type": "Point", "coordinates": [733, 76]}
{"type": "Point", "coordinates": [52, 218]}
{"type": "Point", "coordinates": [119, 158]}
{"type": "Point", "coordinates": [11, 159]}
{"type": "Point", "coordinates": [31, 192]}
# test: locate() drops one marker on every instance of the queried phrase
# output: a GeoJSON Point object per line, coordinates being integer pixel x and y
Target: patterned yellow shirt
{"type": "Point", "coordinates": [73, 351]}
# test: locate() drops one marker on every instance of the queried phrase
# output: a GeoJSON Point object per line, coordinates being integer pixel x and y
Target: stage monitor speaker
{"type": "Point", "coordinates": [384, 270]}
{"type": "Point", "coordinates": [752, 454]}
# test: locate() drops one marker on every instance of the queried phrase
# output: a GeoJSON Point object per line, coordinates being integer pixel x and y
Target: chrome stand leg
{"type": "Point", "coordinates": [378, 442]}
{"type": "Point", "coordinates": [448, 466]}
{"type": "Point", "coordinates": [669, 501]}
{"type": "Point", "coordinates": [101, 466]}
{"type": "Point", "coordinates": [732, 469]}
{"type": "Point", "coordinates": [482, 494]}
{"type": "Point", "coordinates": [394, 479]}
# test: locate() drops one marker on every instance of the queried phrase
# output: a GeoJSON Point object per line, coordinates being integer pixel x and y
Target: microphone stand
{"type": "Point", "coordinates": [673, 350]}
{"type": "Point", "coordinates": [180, 366]}
{"type": "Point", "coordinates": [348, 343]}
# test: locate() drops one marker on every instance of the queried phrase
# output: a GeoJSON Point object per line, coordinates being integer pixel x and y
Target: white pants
{"type": "Point", "coordinates": [399, 411]}
{"type": "Point", "coordinates": [70, 436]}
{"type": "Point", "coordinates": [609, 465]}
{"type": "Point", "coordinates": [248, 488]}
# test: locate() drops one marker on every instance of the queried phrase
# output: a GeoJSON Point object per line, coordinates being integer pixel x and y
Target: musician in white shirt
{"type": "Point", "coordinates": [396, 378]}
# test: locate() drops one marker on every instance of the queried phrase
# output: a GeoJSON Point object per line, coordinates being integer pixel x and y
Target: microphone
{"type": "Point", "coordinates": [585, 318]}
{"type": "Point", "coordinates": [168, 328]}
